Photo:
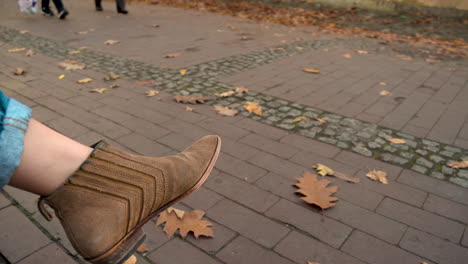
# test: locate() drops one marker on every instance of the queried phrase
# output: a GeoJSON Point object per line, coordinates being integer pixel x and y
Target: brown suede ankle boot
{"type": "Point", "coordinates": [105, 203]}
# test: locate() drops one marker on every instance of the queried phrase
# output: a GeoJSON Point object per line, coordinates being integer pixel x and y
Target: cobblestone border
{"type": "Point", "coordinates": [367, 139]}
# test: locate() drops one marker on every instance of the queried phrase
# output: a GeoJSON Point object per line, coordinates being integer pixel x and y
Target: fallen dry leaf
{"type": "Point", "coordinates": [346, 177]}
{"type": "Point", "coordinates": [324, 170]}
{"type": "Point", "coordinates": [111, 77]}
{"type": "Point", "coordinates": [147, 82]}
{"type": "Point", "coordinates": [114, 85]}
{"type": "Point", "coordinates": [30, 53]}
{"type": "Point", "coordinates": [382, 83]}
{"type": "Point", "coordinates": [142, 248]}
{"type": "Point", "coordinates": [397, 140]}
{"type": "Point", "coordinates": [183, 72]}
{"type": "Point", "coordinates": [308, 262]}
{"type": "Point", "coordinates": [348, 56]}
{"type": "Point", "coordinates": [74, 52]}
{"type": "Point", "coordinates": [362, 52]}
{"type": "Point", "coordinates": [385, 93]}
{"type": "Point", "coordinates": [131, 260]}
{"type": "Point", "coordinates": [172, 55]}
{"type": "Point", "coordinates": [82, 32]}
{"type": "Point", "coordinates": [98, 90]}
{"type": "Point", "coordinates": [23, 31]}
{"type": "Point", "coordinates": [316, 191]}
{"type": "Point", "coordinates": [111, 42]}
{"type": "Point", "coordinates": [82, 48]}
{"type": "Point", "coordinates": [225, 110]}
{"type": "Point", "coordinates": [312, 70]}
{"type": "Point", "coordinates": [299, 119]}
{"type": "Point", "coordinates": [253, 107]}
{"type": "Point", "coordinates": [459, 164]}
{"type": "Point", "coordinates": [178, 212]}
{"type": "Point", "coordinates": [85, 80]}
{"type": "Point", "coordinates": [13, 50]}
{"type": "Point", "coordinates": [241, 90]}
{"type": "Point", "coordinates": [61, 77]}
{"type": "Point", "coordinates": [191, 222]}
{"type": "Point", "coordinates": [378, 175]}
{"type": "Point", "coordinates": [189, 109]}
{"type": "Point", "coordinates": [151, 93]}
{"type": "Point", "coordinates": [225, 94]}
{"type": "Point", "coordinates": [71, 65]}
{"type": "Point", "coordinates": [320, 120]}
{"type": "Point", "coordinates": [19, 71]}
{"type": "Point", "coordinates": [191, 99]}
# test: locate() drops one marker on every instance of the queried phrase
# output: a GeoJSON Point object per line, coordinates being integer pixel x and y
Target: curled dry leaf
{"type": "Point", "coordinates": [85, 80]}
{"type": "Point", "coordinates": [253, 107]}
{"type": "Point", "coordinates": [142, 248]}
{"type": "Point", "coordinates": [147, 82]}
{"type": "Point", "coordinates": [225, 110]}
{"type": "Point", "coordinates": [385, 93]}
{"type": "Point", "coordinates": [189, 109]}
{"type": "Point", "coordinates": [111, 42]}
{"type": "Point", "coordinates": [225, 94]}
{"type": "Point", "coordinates": [241, 90]}
{"type": "Point", "coordinates": [190, 222]}
{"type": "Point", "coordinates": [152, 92]}
{"type": "Point", "coordinates": [348, 56]}
{"type": "Point", "coordinates": [397, 140]}
{"type": "Point", "coordinates": [131, 260]}
{"type": "Point", "coordinates": [183, 72]}
{"type": "Point", "coordinates": [299, 119]}
{"type": "Point", "coordinates": [30, 53]}
{"type": "Point", "coordinates": [111, 77]}
{"type": "Point", "coordinates": [74, 52]}
{"type": "Point", "coordinates": [178, 212]}
{"type": "Point", "coordinates": [459, 164]}
{"type": "Point", "coordinates": [309, 262]}
{"type": "Point", "coordinates": [24, 31]}
{"type": "Point", "coordinates": [316, 191]}
{"type": "Point", "coordinates": [98, 90]}
{"type": "Point", "coordinates": [378, 175]}
{"type": "Point", "coordinates": [114, 85]}
{"type": "Point", "coordinates": [382, 83]}
{"type": "Point", "coordinates": [346, 177]}
{"type": "Point", "coordinates": [19, 71]}
{"type": "Point", "coordinates": [71, 65]}
{"type": "Point", "coordinates": [362, 52]}
{"type": "Point", "coordinates": [324, 170]}
{"type": "Point", "coordinates": [312, 70]}
{"type": "Point", "coordinates": [320, 120]}
{"type": "Point", "coordinates": [191, 99]}
{"type": "Point", "coordinates": [13, 50]}
{"type": "Point", "coordinates": [172, 55]}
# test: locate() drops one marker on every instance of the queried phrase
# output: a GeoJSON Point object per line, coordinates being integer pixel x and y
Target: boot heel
{"type": "Point", "coordinates": [122, 251]}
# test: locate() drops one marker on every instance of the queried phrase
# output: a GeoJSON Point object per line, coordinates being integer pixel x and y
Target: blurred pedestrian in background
{"type": "Point", "coordinates": [120, 6]}
{"type": "Point", "coordinates": [46, 11]}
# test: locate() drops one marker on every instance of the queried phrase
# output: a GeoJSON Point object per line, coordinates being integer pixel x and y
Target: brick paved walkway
{"type": "Point", "coordinates": [249, 198]}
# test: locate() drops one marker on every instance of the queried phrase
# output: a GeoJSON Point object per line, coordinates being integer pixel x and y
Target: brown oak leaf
{"type": "Point", "coordinates": [253, 107]}
{"type": "Point", "coordinates": [191, 99]}
{"type": "Point", "coordinates": [316, 191]}
{"type": "Point", "coordinates": [190, 222]}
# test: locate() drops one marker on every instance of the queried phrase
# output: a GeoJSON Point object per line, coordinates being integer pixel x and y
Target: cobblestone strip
{"type": "Point", "coordinates": [421, 155]}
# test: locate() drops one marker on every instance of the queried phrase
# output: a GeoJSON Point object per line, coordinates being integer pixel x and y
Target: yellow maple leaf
{"type": "Point", "coordinates": [183, 72]}
{"type": "Point", "coordinates": [253, 107]}
{"type": "Point", "coordinates": [378, 175]}
{"type": "Point", "coordinates": [151, 93]}
{"type": "Point", "coordinates": [324, 170]}
{"type": "Point", "coordinates": [61, 76]}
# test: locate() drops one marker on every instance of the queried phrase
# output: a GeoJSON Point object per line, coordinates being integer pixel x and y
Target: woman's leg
{"type": "Point", "coordinates": [49, 158]}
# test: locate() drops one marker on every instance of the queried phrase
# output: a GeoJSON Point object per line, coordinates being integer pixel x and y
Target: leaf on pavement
{"type": "Point", "coordinates": [85, 80]}
{"type": "Point", "coordinates": [320, 120]}
{"type": "Point", "coordinates": [19, 71]}
{"type": "Point", "coordinates": [61, 77]}
{"type": "Point", "coordinates": [241, 90]}
{"type": "Point", "coordinates": [71, 65]}
{"type": "Point", "coordinates": [98, 90]}
{"type": "Point", "coordinates": [385, 93]}
{"type": "Point", "coordinates": [142, 248]}
{"type": "Point", "coordinates": [225, 94]}
{"type": "Point", "coordinates": [111, 42]}
{"type": "Point", "coordinates": [253, 107]}
{"type": "Point", "coordinates": [172, 55]}
{"type": "Point", "coordinates": [74, 52]}
{"type": "Point", "coordinates": [24, 31]}
{"type": "Point", "coordinates": [309, 262]}
{"type": "Point", "coordinates": [152, 92]}
{"type": "Point", "coordinates": [362, 52]}
{"type": "Point", "coordinates": [30, 53]}
{"type": "Point", "coordinates": [397, 140]}
{"type": "Point", "coordinates": [178, 212]}
{"type": "Point", "coordinates": [191, 222]}
{"type": "Point", "coordinates": [114, 85]}
{"type": "Point", "coordinates": [312, 70]}
{"type": "Point", "coordinates": [191, 99]}
{"type": "Point", "coordinates": [378, 175]}
{"type": "Point", "coordinates": [324, 170]}
{"type": "Point", "coordinates": [316, 191]}
{"type": "Point", "coordinates": [147, 82]}
{"type": "Point", "coordinates": [382, 83]}
{"type": "Point", "coordinates": [189, 109]}
{"type": "Point", "coordinates": [225, 110]}
{"type": "Point", "coordinates": [348, 56]}
{"type": "Point", "coordinates": [459, 164]}
{"type": "Point", "coordinates": [13, 50]}
{"type": "Point", "coordinates": [346, 177]}
{"type": "Point", "coordinates": [183, 72]}
{"type": "Point", "coordinates": [299, 119]}
{"type": "Point", "coordinates": [111, 77]}
{"type": "Point", "coordinates": [131, 260]}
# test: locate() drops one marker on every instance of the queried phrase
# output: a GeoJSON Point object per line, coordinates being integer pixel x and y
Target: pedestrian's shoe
{"type": "Point", "coordinates": [63, 14]}
{"type": "Point", "coordinates": [46, 11]}
{"type": "Point", "coordinates": [122, 10]}
{"type": "Point", "coordinates": [105, 203]}
{"type": "Point", "coordinates": [98, 5]}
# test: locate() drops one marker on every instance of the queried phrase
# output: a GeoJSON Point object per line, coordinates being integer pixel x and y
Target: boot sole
{"type": "Point", "coordinates": [127, 246]}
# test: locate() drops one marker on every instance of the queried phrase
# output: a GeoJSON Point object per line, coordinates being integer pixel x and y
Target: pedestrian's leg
{"type": "Point", "coordinates": [62, 12]}
{"type": "Point", "coordinates": [98, 5]}
{"type": "Point", "coordinates": [45, 8]}
{"type": "Point", "coordinates": [121, 6]}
